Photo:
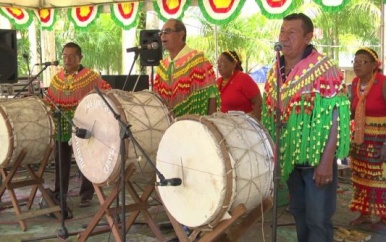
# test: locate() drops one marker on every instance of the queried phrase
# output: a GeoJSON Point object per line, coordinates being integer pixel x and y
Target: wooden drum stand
{"type": "Point", "coordinates": [228, 229]}
{"type": "Point", "coordinates": [35, 179]}
{"type": "Point", "coordinates": [140, 205]}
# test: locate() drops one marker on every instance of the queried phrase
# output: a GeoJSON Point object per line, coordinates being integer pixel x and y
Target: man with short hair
{"type": "Point", "coordinates": [66, 90]}
{"type": "Point", "coordinates": [315, 119]}
{"type": "Point", "coordinates": [185, 79]}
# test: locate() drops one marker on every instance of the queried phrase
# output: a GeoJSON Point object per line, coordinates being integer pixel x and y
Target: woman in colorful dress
{"type": "Point", "coordinates": [238, 91]}
{"type": "Point", "coordinates": [368, 147]}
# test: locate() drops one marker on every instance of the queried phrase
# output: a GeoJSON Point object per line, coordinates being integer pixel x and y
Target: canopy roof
{"type": "Point", "coordinates": [56, 3]}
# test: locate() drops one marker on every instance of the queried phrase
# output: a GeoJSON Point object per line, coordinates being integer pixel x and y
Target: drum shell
{"type": "Point", "coordinates": [99, 157]}
{"type": "Point", "coordinates": [24, 123]}
{"type": "Point", "coordinates": [223, 160]}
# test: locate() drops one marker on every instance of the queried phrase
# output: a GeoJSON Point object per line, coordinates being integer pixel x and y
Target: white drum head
{"type": "Point", "coordinates": [223, 160]}
{"type": "Point", "coordinates": [99, 157]}
{"type": "Point", "coordinates": [196, 159]}
{"type": "Point", "coordinates": [96, 157]}
{"type": "Point", "coordinates": [5, 135]}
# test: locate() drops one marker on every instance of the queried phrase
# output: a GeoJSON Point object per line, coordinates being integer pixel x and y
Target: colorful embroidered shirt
{"type": "Point", "coordinates": [312, 90]}
{"type": "Point", "coordinates": [187, 82]}
{"type": "Point", "coordinates": [237, 93]}
{"type": "Point", "coordinates": [67, 91]}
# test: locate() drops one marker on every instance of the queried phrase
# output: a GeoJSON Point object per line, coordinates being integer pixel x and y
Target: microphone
{"type": "Point", "coordinates": [82, 133]}
{"type": "Point", "coordinates": [278, 46]}
{"type": "Point", "coordinates": [49, 63]}
{"type": "Point", "coordinates": [169, 182]}
{"type": "Point", "coordinates": [152, 46]}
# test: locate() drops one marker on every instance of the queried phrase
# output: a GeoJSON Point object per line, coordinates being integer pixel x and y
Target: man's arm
{"type": "Point", "coordinates": [323, 173]}
{"type": "Point", "coordinates": [212, 106]}
{"type": "Point", "coordinates": [256, 103]}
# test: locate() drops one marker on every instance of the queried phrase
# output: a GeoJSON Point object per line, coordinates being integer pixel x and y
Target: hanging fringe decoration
{"type": "Point", "coordinates": [47, 18]}
{"type": "Point", "coordinates": [275, 9]}
{"type": "Point", "coordinates": [332, 5]}
{"type": "Point", "coordinates": [171, 9]}
{"type": "Point", "coordinates": [126, 15]}
{"type": "Point", "coordinates": [20, 18]}
{"type": "Point", "coordinates": [83, 17]}
{"type": "Point", "coordinates": [220, 12]}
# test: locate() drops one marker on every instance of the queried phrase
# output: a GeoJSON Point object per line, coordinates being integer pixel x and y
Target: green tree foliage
{"type": "Point", "coordinates": [22, 48]}
{"type": "Point", "coordinates": [357, 24]}
{"type": "Point", "coordinates": [100, 43]}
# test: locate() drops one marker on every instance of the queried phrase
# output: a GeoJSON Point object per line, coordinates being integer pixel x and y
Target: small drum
{"type": "Point", "coordinates": [98, 157]}
{"type": "Point", "coordinates": [223, 160]}
{"type": "Point", "coordinates": [24, 123]}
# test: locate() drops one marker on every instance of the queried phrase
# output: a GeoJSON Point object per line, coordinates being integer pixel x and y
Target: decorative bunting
{"type": "Point", "coordinates": [20, 18]}
{"type": "Point", "coordinates": [47, 18]}
{"type": "Point", "coordinates": [220, 12]}
{"type": "Point", "coordinates": [275, 9]}
{"type": "Point", "coordinates": [83, 17]}
{"type": "Point", "coordinates": [167, 9]}
{"type": "Point", "coordinates": [331, 5]}
{"type": "Point", "coordinates": [126, 15]}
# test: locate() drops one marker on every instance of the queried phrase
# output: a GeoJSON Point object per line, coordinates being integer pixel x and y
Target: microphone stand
{"type": "Point", "coordinates": [125, 133]}
{"type": "Point", "coordinates": [276, 170]}
{"type": "Point", "coordinates": [30, 81]}
{"type": "Point", "coordinates": [26, 58]}
{"type": "Point", "coordinates": [63, 232]}
{"type": "Point", "coordinates": [136, 53]}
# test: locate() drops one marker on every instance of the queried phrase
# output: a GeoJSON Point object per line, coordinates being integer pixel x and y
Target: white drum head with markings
{"type": "Point", "coordinates": [99, 157]}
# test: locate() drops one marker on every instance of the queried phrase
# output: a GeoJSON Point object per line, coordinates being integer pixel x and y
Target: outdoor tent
{"type": "Point", "coordinates": [38, 4]}
{"type": "Point", "coordinates": [124, 12]}
{"type": "Point", "coordinates": [215, 12]}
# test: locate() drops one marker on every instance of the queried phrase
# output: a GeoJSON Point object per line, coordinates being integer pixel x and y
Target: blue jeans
{"type": "Point", "coordinates": [312, 206]}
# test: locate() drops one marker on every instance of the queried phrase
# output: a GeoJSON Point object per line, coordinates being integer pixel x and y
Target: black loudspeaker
{"type": "Point", "coordinates": [8, 56]}
{"type": "Point", "coordinates": [118, 81]}
{"type": "Point", "coordinates": [150, 57]}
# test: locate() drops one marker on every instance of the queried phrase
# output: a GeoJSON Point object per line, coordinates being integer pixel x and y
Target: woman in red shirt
{"type": "Point", "coordinates": [368, 147]}
{"type": "Point", "coordinates": [238, 91]}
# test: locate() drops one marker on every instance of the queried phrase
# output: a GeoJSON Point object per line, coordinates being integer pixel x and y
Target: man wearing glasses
{"type": "Point", "coordinates": [185, 79]}
{"type": "Point", "coordinates": [66, 90]}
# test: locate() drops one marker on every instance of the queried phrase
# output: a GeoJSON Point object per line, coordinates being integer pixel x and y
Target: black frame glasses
{"type": "Point", "coordinates": [167, 31]}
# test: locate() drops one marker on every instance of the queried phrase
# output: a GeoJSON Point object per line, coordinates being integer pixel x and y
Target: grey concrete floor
{"type": "Point", "coordinates": [44, 228]}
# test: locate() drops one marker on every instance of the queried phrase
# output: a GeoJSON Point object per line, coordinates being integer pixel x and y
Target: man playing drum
{"type": "Point", "coordinates": [66, 89]}
{"type": "Point", "coordinates": [185, 79]}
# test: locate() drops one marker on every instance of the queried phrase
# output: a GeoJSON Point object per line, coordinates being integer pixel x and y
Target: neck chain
{"type": "Point", "coordinates": [69, 82]}
{"type": "Point", "coordinates": [226, 82]}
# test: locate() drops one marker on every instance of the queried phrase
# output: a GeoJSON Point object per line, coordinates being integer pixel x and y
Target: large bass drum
{"type": "Point", "coordinates": [24, 123]}
{"type": "Point", "coordinates": [223, 160]}
{"type": "Point", "coordinates": [98, 157]}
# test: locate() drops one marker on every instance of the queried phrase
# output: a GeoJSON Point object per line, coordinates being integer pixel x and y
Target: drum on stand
{"type": "Point", "coordinates": [24, 123]}
{"type": "Point", "coordinates": [223, 160]}
{"type": "Point", "coordinates": [98, 157]}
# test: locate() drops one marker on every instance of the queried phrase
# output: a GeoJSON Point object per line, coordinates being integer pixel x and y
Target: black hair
{"type": "Point", "coordinates": [232, 56]}
{"type": "Point", "coordinates": [73, 45]}
{"type": "Point", "coordinates": [308, 26]}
